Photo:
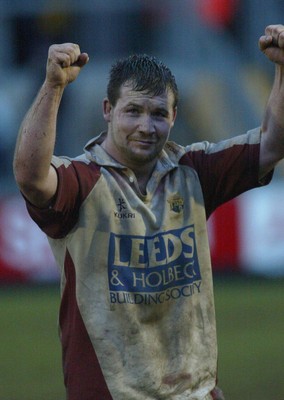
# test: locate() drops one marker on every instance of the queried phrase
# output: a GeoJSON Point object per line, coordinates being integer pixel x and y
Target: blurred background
{"type": "Point", "coordinates": [224, 81]}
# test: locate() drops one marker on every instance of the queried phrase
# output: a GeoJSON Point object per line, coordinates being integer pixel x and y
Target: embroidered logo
{"type": "Point", "coordinates": [122, 212]}
{"type": "Point", "coordinates": [121, 205]}
{"type": "Point", "coordinates": [176, 204]}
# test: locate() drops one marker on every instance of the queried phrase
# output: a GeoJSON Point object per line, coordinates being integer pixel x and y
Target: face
{"type": "Point", "coordinates": [138, 126]}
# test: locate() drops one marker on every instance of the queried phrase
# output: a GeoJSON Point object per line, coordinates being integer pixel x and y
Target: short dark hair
{"type": "Point", "coordinates": [145, 73]}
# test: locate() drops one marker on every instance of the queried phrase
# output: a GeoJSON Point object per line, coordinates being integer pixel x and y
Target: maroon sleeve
{"type": "Point", "coordinates": [226, 173]}
{"type": "Point", "coordinates": [74, 184]}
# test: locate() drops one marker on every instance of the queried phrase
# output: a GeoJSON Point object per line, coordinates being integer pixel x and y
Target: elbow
{"type": "Point", "coordinates": [38, 188]}
{"type": "Point", "coordinates": [26, 179]}
{"type": "Point", "coordinates": [18, 173]}
{"type": "Point", "coordinates": [22, 175]}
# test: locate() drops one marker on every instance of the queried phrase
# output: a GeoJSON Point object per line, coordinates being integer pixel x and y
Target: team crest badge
{"type": "Point", "coordinates": [176, 204]}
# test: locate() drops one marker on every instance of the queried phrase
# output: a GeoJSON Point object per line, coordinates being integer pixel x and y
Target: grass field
{"type": "Point", "coordinates": [250, 330]}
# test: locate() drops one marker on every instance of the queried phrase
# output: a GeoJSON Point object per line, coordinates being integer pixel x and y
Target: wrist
{"type": "Point", "coordinates": [52, 86]}
{"type": "Point", "coordinates": [52, 89]}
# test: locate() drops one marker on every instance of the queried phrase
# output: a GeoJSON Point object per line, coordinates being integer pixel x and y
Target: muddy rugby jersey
{"type": "Point", "coordinates": [137, 315]}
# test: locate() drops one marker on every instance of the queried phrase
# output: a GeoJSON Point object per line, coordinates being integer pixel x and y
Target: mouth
{"type": "Point", "coordinates": [144, 141]}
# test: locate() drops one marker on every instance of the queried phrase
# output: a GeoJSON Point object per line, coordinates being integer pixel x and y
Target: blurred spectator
{"type": "Point", "coordinates": [34, 33]}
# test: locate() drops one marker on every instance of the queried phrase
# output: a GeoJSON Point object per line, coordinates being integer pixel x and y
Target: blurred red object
{"type": "Point", "coordinates": [25, 254]}
{"type": "Point", "coordinates": [217, 13]}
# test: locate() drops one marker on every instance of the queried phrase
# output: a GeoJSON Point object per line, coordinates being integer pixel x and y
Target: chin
{"type": "Point", "coordinates": [144, 156]}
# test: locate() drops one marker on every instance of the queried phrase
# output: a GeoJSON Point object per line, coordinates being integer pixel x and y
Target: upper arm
{"type": "Point", "coordinates": [59, 213]}
{"type": "Point", "coordinates": [228, 168]}
{"type": "Point", "coordinates": [270, 153]}
{"type": "Point", "coordinates": [41, 194]}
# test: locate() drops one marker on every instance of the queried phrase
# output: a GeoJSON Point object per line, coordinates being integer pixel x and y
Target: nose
{"type": "Point", "coordinates": [146, 125]}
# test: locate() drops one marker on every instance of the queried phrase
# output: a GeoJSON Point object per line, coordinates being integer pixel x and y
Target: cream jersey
{"type": "Point", "coordinates": [137, 317]}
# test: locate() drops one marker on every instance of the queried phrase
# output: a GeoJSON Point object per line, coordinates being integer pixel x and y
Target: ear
{"type": "Point", "coordinates": [107, 110]}
{"type": "Point", "coordinates": [174, 116]}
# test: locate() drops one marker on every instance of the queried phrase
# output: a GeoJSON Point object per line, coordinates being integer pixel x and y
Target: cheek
{"type": "Point", "coordinates": [164, 131]}
{"type": "Point", "coordinates": [123, 121]}
{"type": "Point", "coordinates": [126, 124]}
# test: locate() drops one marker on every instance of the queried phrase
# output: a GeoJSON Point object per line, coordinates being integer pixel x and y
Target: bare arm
{"type": "Point", "coordinates": [272, 141]}
{"type": "Point", "coordinates": [34, 174]}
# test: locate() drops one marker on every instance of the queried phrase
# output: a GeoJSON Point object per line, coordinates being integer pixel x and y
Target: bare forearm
{"type": "Point", "coordinates": [36, 138]}
{"type": "Point", "coordinates": [272, 141]}
{"type": "Point", "coordinates": [273, 122]}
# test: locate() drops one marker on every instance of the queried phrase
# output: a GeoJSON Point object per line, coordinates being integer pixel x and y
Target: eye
{"type": "Point", "coordinates": [132, 110]}
{"type": "Point", "coordinates": [160, 114]}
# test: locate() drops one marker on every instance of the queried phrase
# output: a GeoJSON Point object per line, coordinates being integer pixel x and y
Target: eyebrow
{"type": "Point", "coordinates": [161, 109]}
{"type": "Point", "coordinates": [133, 104]}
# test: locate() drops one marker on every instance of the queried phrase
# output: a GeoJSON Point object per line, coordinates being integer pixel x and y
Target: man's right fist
{"type": "Point", "coordinates": [64, 63]}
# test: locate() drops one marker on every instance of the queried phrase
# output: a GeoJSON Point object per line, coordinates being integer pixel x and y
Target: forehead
{"type": "Point", "coordinates": [128, 95]}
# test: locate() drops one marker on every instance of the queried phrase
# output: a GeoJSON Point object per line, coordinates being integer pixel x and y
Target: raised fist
{"type": "Point", "coordinates": [64, 63]}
